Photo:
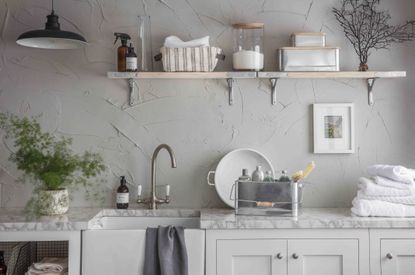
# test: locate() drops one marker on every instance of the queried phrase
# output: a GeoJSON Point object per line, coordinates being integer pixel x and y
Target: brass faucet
{"type": "Point", "coordinates": [153, 201]}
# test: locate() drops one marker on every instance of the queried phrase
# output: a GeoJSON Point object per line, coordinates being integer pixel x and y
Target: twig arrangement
{"type": "Point", "coordinates": [368, 28]}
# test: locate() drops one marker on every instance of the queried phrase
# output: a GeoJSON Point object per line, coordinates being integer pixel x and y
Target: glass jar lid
{"type": "Point", "coordinates": [248, 25]}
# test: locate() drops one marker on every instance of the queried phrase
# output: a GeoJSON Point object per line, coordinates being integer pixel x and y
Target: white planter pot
{"type": "Point", "coordinates": [53, 202]}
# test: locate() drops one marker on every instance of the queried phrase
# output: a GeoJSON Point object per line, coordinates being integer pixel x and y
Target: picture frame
{"type": "Point", "coordinates": [333, 128]}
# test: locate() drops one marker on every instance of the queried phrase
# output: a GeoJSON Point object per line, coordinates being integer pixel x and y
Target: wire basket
{"type": "Point", "coordinates": [267, 198]}
{"type": "Point", "coordinates": [20, 255]}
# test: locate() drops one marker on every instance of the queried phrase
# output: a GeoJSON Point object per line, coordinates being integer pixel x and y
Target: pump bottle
{"type": "Point", "coordinates": [123, 194]}
{"type": "Point", "coordinates": [131, 59]}
{"type": "Point", "coordinates": [122, 51]}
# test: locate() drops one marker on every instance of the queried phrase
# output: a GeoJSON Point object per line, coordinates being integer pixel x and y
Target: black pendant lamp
{"type": "Point", "coordinates": [52, 37]}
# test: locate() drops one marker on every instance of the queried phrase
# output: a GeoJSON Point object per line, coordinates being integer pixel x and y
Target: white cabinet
{"type": "Point", "coordinates": [247, 257]}
{"type": "Point", "coordinates": [109, 252]}
{"type": "Point", "coordinates": [393, 252]}
{"type": "Point", "coordinates": [305, 257]}
{"type": "Point", "coordinates": [287, 252]}
{"type": "Point", "coordinates": [398, 257]}
{"type": "Point", "coordinates": [324, 257]}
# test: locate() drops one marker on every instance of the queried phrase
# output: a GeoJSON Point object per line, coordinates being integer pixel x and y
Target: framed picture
{"type": "Point", "coordinates": [333, 126]}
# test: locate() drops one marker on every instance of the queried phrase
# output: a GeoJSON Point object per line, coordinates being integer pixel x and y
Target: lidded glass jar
{"type": "Point", "coordinates": [248, 52]}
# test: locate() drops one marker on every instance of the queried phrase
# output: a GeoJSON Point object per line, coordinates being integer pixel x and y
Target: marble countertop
{"type": "Point", "coordinates": [88, 218]}
{"type": "Point", "coordinates": [317, 218]}
{"type": "Point", "coordinates": [14, 219]}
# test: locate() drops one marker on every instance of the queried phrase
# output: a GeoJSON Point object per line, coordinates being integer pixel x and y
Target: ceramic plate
{"type": "Point", "coordinates": [230, 168]}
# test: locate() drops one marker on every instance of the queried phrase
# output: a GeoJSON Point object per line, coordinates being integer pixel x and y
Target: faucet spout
{"type": "Point", "coordinates": [169, 150]}
{"type": "Point", "coordinates": [154, 200]}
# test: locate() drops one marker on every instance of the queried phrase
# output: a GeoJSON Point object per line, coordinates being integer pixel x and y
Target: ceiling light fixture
{"type": "Point", "coordinates": [52, 37]}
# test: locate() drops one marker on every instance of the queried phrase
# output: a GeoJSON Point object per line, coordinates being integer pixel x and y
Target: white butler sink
{"type": "Point", "coordinates": [120, 223]}
{"type": "Point", "coordinates": [115, 244]}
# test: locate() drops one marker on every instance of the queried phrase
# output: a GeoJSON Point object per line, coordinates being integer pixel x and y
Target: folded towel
{"type": "Point", "coordinates": [33, 271]}
{"type": "Point", "coordinates": [397, 173]}
{"type": "Point", "coordinates": [382, 181]}
{"type": "Point", "coordinates": [175, 42]}
{"type": "Point", "coordinates": [52, 264]}
{"type": "Point", "coordinates": [374, 208]}
{"type": "Point", "coordinates": [165, 252]}
{"type": "Point", "coordinates": [409, 200]}
{"type": "Point", "coordinates": [368, 187]}
{"type": "Point", "coordinates": [49, 266]}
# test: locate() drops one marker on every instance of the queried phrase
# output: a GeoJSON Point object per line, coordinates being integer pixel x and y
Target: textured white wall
{"type": "Point", "coordinates": [71, 92]}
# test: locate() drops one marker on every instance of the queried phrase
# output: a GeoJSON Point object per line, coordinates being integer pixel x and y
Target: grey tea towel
{"type": "Point", "coordinates": [165, 251]}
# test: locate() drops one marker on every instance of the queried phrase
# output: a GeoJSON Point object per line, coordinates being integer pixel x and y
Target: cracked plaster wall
{"type": "Point", "coordinates": [71, 92]}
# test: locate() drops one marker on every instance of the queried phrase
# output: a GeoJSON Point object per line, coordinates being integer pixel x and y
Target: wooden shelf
{"type": "Point", "coordinates": [370, 78]}
{"type": "Point", "coordinates": [332, 75]}
{"type": "Point", "coordinates": [182, 75]}
{"type": "Point", "coordinates": [226, 75]}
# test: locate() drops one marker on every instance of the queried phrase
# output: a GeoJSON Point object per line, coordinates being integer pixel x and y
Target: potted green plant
{"type": "Point", "coordinates": [48, 162]}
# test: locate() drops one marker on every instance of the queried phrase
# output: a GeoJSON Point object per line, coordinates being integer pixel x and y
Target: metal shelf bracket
{"type": "Point", "coordinates": [370, 94]}
{"type": "Point", "coordinates": [230, 90]}
{"type": "Point", "coordinates": [134, 95]}
{"type": "Point", "coordinates": [274, 82]}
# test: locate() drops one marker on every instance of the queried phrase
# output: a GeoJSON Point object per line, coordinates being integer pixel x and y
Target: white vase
{"type": "Point", "coordinates": [53, 202]}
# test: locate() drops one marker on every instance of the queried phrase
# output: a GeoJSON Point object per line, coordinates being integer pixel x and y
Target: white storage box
{"type": "Point", "coordinates": [312, 59]}
{"type": "Point", "coordinates": [199, 59]}
{"type": "Point", "coordinates": [308, 39]}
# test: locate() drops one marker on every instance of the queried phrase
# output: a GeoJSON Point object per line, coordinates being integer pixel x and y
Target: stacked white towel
{"type": "Point", "coordinates": [49, 266]}
{"type": "Point", "coordinates": [175, 42]}
{"type": "Point", "coordinates": [390, 192]}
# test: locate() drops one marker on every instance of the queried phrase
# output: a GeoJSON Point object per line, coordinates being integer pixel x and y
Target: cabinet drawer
{"type": "Point", "coordinates": [247, 257]}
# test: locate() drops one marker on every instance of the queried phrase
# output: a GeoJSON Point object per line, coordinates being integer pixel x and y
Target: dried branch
{"type": "Point", "coordinates": [368, 28]}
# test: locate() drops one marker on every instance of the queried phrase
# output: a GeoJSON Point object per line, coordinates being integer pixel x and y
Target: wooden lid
{"type": "Point", "coordinates": [248, 25]}
{"type": "Point", "coordinates": [309, 48]}
{"type": "Point", "coordinates": [309, 33]}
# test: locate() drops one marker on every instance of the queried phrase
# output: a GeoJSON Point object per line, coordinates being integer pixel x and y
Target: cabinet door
{"type": "Point", "coordinates": [323, 257]}
{"type": "Point", "coordinates": [110, 252]}
{"type": "Point", "coordinates": [397, 257]}
{"type": "Point", "coordinates": [121, 252]}
{"type": "Point", "coordinates": [247, 257]}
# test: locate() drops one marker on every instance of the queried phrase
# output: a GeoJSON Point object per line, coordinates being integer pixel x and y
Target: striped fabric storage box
{"type": "Point", "coordinates": [200, 59]}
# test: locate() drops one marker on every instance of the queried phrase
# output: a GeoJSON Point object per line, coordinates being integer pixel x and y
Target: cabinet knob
{"type": "Point", "coordinates": [295, 256]}
{"type": "Point", "coordinates": [279, 256]}
{"type": "Point", "coordinates": [389, 256]}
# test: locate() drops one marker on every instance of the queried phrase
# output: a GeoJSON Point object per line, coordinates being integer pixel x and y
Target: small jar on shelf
{"type": "Point", "coordinates": [248, 43]}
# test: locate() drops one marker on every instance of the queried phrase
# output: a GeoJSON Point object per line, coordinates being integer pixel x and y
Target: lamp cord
{"type": "Point", "coordinates": [53, 10]}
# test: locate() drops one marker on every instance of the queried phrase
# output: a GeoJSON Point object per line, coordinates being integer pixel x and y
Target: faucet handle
{"type": "Point", "coordinates": [139, 193]}
{"type": "Point", "coordinates": [167, 190]}
{"type": "Point", "coordinates": [167, 193]}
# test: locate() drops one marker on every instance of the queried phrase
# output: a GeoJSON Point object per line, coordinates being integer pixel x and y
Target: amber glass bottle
{"type": "Point", "coordinates": [123, 194]}
{"type": "Point", "coordinates": [122, 51]}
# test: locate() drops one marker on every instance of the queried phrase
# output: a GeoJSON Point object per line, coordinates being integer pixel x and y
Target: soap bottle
{"type": "Point", "coordinates": [269, 177]}
{"type": "Point", "coordinates": [122, 51]}
{"type": "Point", "coordinates": [123, 194]}
{"type": "Point", "coordinates": [258, 174]}
{"type": "Point", "coordinates": [245, 175]}
{"type": "Point", "coordinates": [131, 60]}
{"type": "Point", "coordinates": [284, 176]}
{"type": "Point", "coordinates": [3, 267]}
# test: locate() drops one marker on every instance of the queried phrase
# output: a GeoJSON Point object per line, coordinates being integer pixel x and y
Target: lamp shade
{"type": "Point", "coordinates": [52, 37]}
